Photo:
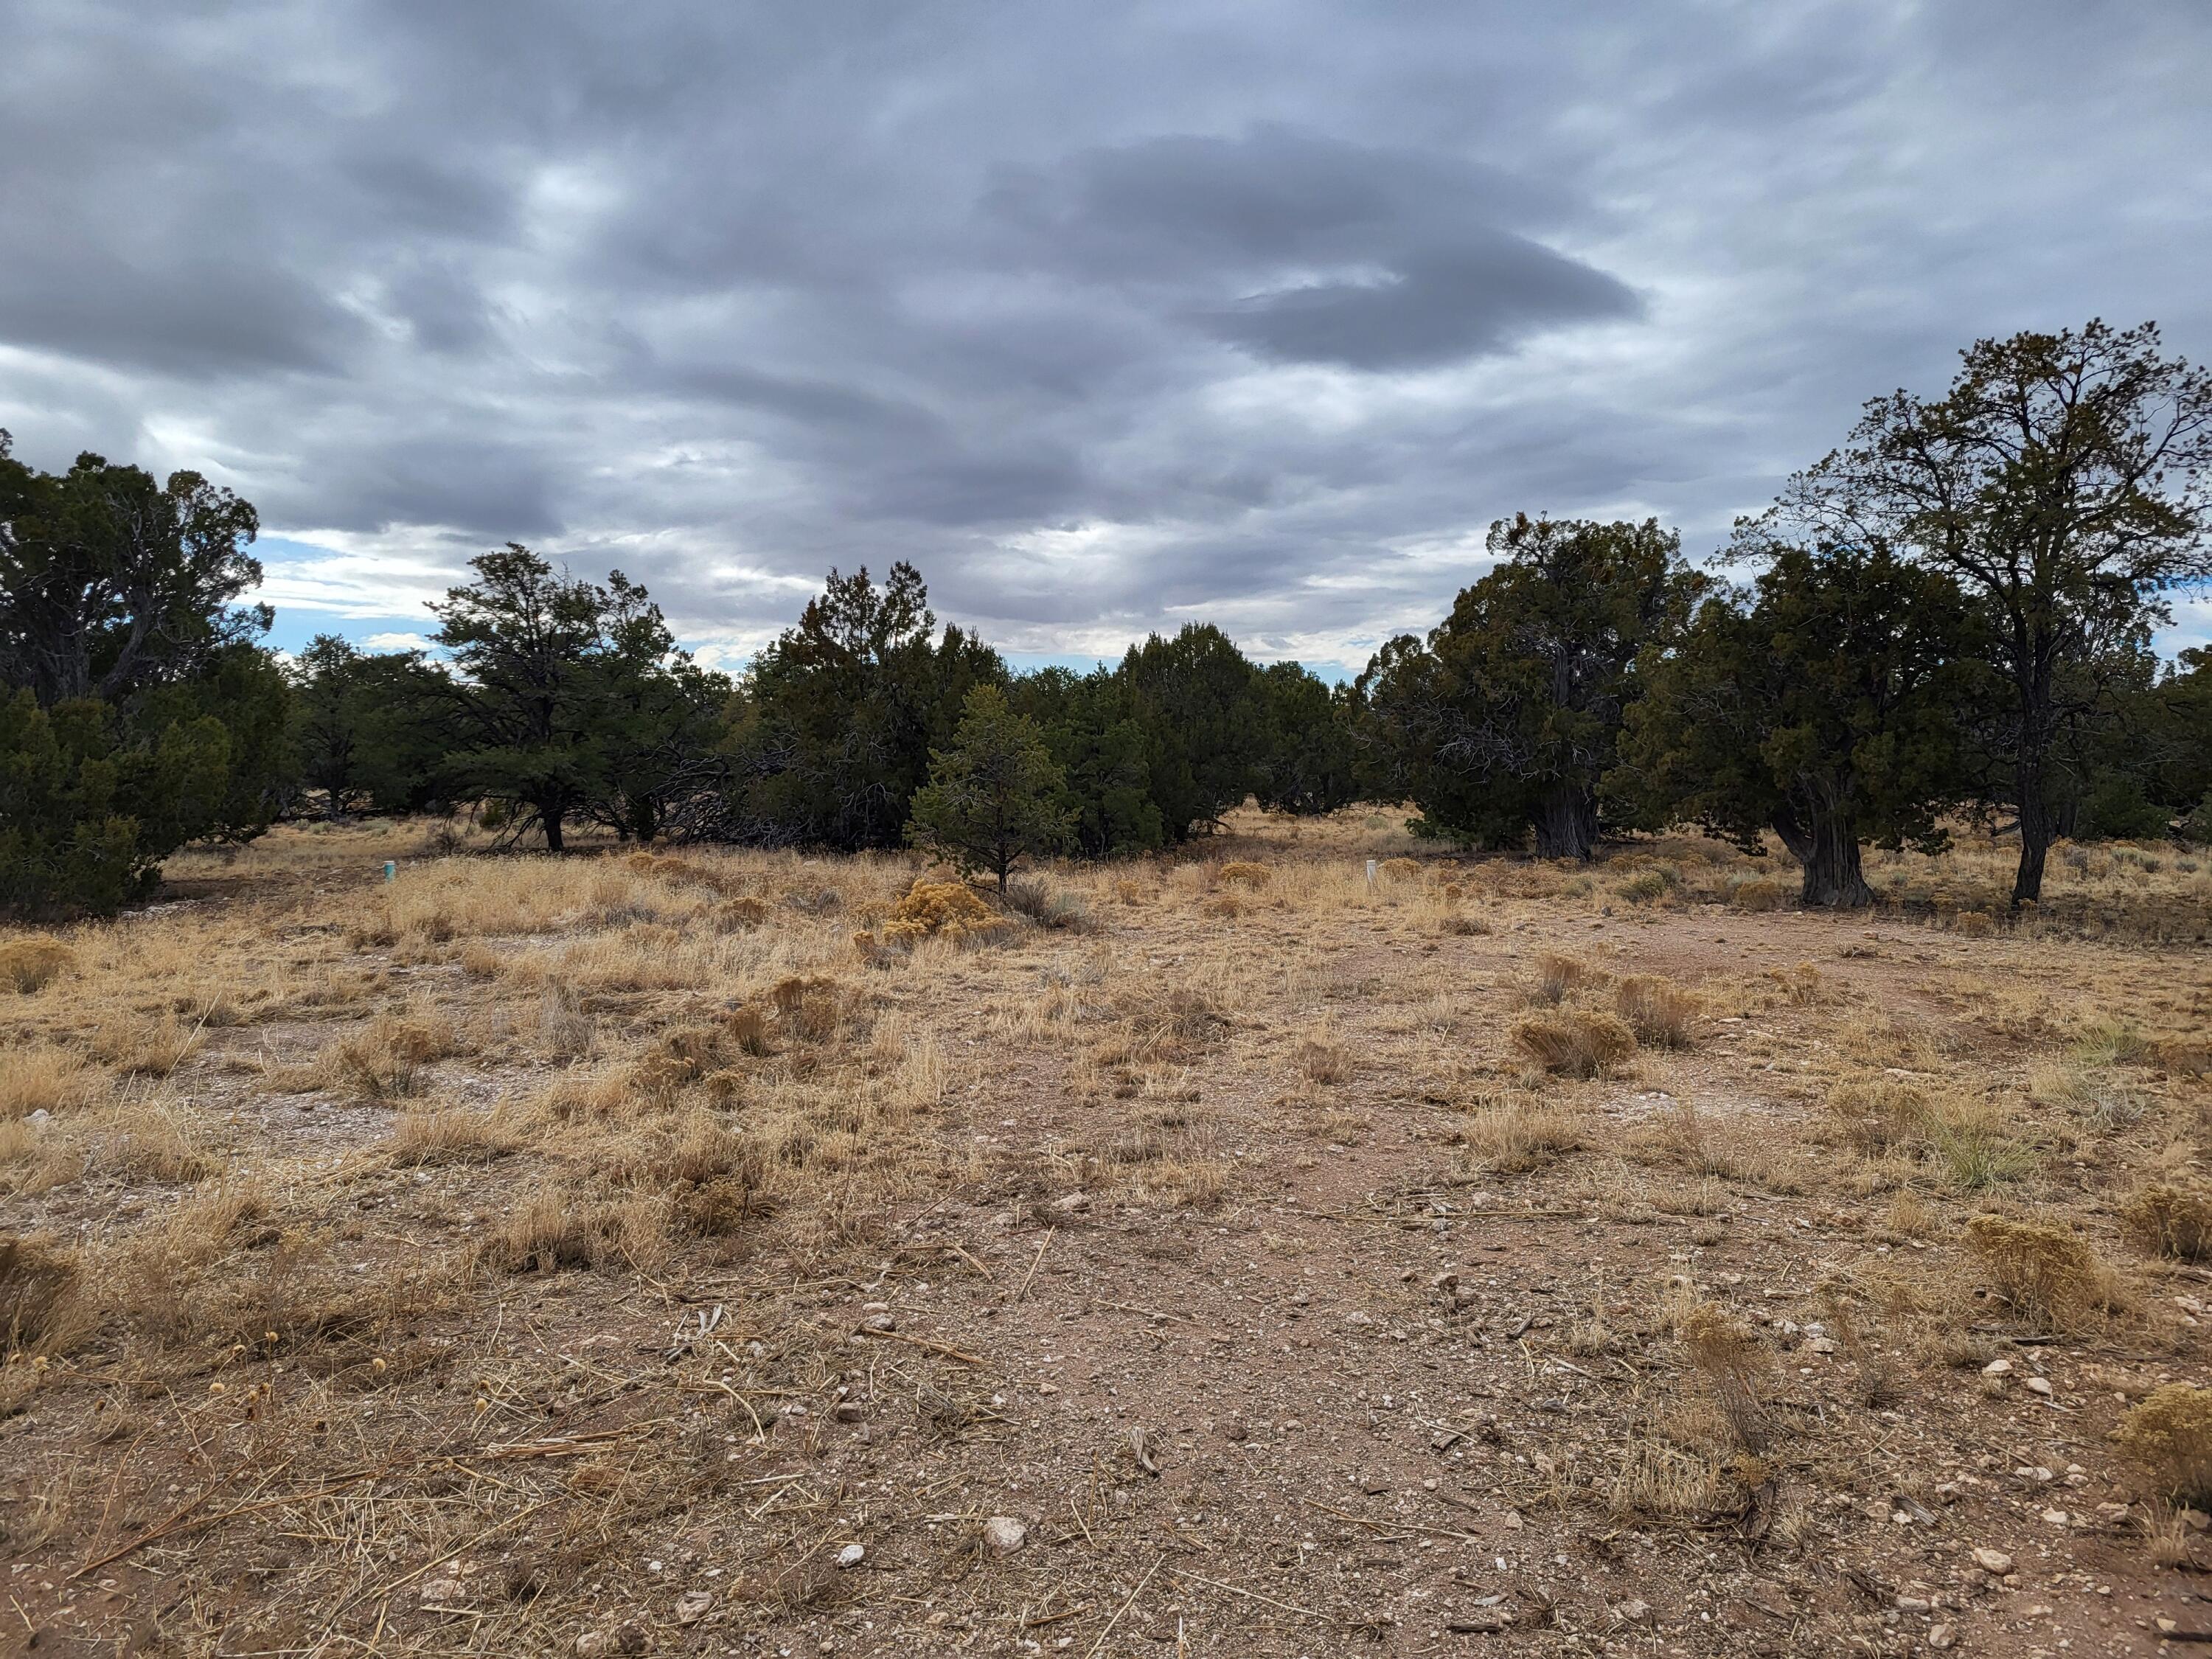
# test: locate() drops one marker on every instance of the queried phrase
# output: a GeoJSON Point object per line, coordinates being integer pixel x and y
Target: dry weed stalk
{"type": "Point", "coordinates": [1734, 1364]}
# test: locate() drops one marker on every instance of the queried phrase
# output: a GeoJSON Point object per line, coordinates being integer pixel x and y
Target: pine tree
{"type": "Point", "coordinates": [993, 798]}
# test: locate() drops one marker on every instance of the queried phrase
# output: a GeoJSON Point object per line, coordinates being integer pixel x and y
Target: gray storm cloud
{"type": "Point", "coordinates": [1106, 316]}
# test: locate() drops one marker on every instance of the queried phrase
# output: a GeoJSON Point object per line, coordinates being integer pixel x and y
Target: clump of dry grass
{"type": "Point", "coordinates": [555, 1229]}
{"type": "Point", "coordinates": [1402, 869]}
{"type": "Point", "coordinates": [809, 1006]}
{"type": "Point", "coordinates": [1659, 1011]}
{"type": "Point", "coordinates": [148, 1143]}
{"type": "Point", "coordinates": [384, 1059]}
{"type": "Point", "coordinates": [2170, 1220]}
{"type": "Point", "coordinates": [1243, 872]}
{"type": "Point", "coordinates": [46, 1076]}
{"type": "Point", "coordinates": [33, 962]}
{"type": "Point", "coordinates": [2048, 1276]}
{"type": "Point", "coordinates": [1577, 1042]}
{"type": "Point", "coordinates": [1730, 1357]}
{"type": "Point", "coordinates": [1655, 1481]}
{"type": "Point", "coordinates": [1322, 1058]}
{"type": "Point", "coordinates": [2169, 1436]}
{"type": "Point", "coordinates": [1558, 975]}
{"type": "Point", "coordinates": [1757, 893]}
{"type": "Point", "coordinates": [1172, 1023]}
{"type": "Point", "coordinates": [142, 1047]}
{"type": "Point", "coordinates": [448, 1134]}
{"type": "Point", "coordinates": [1879, 1113]}
{"type": "Point", "coordinates": [41, 1309]}
{"type": "Point", "coordinates": [1520, 1134]}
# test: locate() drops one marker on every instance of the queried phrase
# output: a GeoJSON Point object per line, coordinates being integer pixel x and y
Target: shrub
{"type": "Point", "coordinates": [1757, 893]}
{"type": "Point", "coordinates": [2049, 1277]}
{"type": "Point", "coordinates": [2169, 1436]}
{"type": "Point", "coordinates": [2171, 1221]}
{"type": "Point", "coordinates": [942, 910]}
{"type": "Point", "coordinates": [1648, 886]}
{"type": "Point", "coordinates": [1243, 871]}
{"type": "Point", "coordinates": [1049, 907]}
{"type": "Point", "coordinates": [1402, 869]}
{"type": "Point", "coordinates": [1727, 1355]}
{"type": "Point", "coordinates": [34, 962]}
{"type": "Point", "coordinates": [1656, 1009]}
{"type": "Point", "coordinates": [1580, 1043]}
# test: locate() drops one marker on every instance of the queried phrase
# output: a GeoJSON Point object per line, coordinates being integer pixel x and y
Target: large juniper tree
{"type": "Point", "coordinates": [2063, 481]}
{"type": "Point", "coordinates": [1505, 719]}
{"type": "Point", "coordinates": [1828, 705]}
{"type": "Point", "coordinates": [140, 711]}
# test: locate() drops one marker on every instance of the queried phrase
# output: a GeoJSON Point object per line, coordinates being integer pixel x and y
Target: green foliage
{"type": "Point", "coordinates": [1506, 720]}
{"type": "Point", "coordinates": [370, 728]}
{"type": "Point", "coordinates": [1101, 751]}
{"type": "Point", "coordinates": [1198, 702]}
{"type": "Point", "coordinates": [995, 797]}
{"type": "Point", "coordinates": [86, 812]}
{"type": "Point", "coordinates": [2060, 482]}
{"type": "Point", "coordinates": [839, 715]}
{"type": "Point", "coordinates": [568, 698]}
{"type": "Point", "coordinates": [1312, 760]}
{"type": "Point", "coordinates": [1825, 705]}
{"type": "Point", "coordinates": [138, 714]}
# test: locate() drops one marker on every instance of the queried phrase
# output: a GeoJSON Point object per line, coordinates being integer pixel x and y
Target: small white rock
{"type": "Point", "coordinates": [2039, 1385]}
{"type": "Point", "coordinates": [851, 1556]}
{"type": "Point", "coordinates": [1004, 1534]}
{"type": "Point", "coordinates": [1993, 1561]}
{"type": "Point", "coordinates": [1997, 1368]}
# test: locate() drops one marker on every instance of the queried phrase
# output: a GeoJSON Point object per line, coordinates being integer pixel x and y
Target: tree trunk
{"type": "Point", "coordinates": [549, 815]}
{"type": "Point", "coordinates": [1566, 824]}
{"type": "Point", "coordinates": [1794, 833]}
{"type": "Point", "coordinates": [1832, 878]}
{"type": "Point", "coordinates": [2035, 832]}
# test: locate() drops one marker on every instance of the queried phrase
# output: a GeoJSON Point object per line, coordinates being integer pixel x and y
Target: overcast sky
{"type": "Point", "coordinates": [1106, 315]}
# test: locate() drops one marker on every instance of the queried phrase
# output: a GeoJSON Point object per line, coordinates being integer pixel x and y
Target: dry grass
{"type": "Point", "coordinates": [2169, 1438]}
{"type": "Point", "coordinates": [41, 1308]}
{"type": "Point", "coordinates": [565, 1114]}
{"type": "Point", "coordinates": [1576, 1042]}
{"type": "Point", "coordinates": [47, 1077]}
{"type": "Point", "coordinates": [33, 962]}
{"type": "Point", "coordinates": [448, 1134]}
{"type": "Point", "coordinates": [1729, 1358]}
{"type": "Point", "coordinates": [2170, 1220]}
{"type": "Point", "coordinates": [1520, 1134]}
{"type": "Point", "coordinates": [1661, 1013]}
{"type": "Point", "coordinates": [2051, 1279]}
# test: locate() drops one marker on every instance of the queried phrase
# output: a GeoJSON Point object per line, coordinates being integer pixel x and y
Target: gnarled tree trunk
{"type": "Point", "coordinates": [1566, 824]}
{"type": "Point", "coordinates": [1827, 843]}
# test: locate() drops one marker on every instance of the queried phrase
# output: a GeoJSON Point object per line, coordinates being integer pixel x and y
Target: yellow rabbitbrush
{"type": "Point", "coordinates": [942, 910]}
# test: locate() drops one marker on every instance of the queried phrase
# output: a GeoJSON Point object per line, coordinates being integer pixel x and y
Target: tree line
{"type": "Point", "coordinates": [1949, 616]}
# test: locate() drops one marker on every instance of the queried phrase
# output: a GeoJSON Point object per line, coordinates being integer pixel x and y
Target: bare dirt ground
{"type": "Point", "coordinates": [738, 1254]}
